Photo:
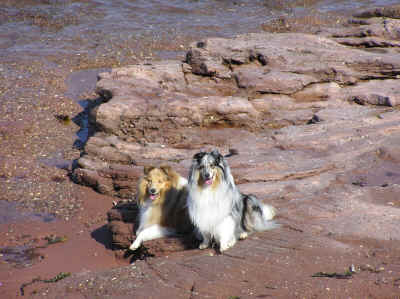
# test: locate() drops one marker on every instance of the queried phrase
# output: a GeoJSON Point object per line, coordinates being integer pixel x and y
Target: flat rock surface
{"type": "Point", "coordinates": [315, 120]}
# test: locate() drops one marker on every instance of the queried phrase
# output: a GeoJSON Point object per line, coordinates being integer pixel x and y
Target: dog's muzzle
{"type": "Point", "coordinates": [208, 180]}
{"type": "Point", "coordinates": [153, 193]}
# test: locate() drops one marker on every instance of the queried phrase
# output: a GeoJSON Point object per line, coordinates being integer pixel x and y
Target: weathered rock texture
{"type": "Point", "coordinates": [122, 221]}
{"type": "Point", "coordinates": [316, 122]}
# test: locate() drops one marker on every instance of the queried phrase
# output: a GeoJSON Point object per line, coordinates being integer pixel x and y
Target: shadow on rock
{"type": "Point", "coordinates": [84, 121]}
{"type": "Point", "coordinates": [141, 253]}
{"type": "Point", "coordinates": [103, 236]}
{"type": "Point", "coordinates": [162, 247]}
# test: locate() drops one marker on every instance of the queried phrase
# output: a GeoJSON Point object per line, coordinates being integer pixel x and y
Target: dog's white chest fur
{"type": "Point", "coordinates": [145, 214]}
{"type": "Point", "coordinates": [208, 207]}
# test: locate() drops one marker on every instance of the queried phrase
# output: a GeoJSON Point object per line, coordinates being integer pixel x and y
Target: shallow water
{"type": "Point", "coordinates": [20, 256]}
{"type": "Point", "coordinates": [9, 213]}
{"type": "Point", "coordinates": [48, 27]}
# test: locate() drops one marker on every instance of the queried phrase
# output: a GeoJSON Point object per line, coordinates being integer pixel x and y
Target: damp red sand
{"type": "Point", "coordinates": [84, 246]}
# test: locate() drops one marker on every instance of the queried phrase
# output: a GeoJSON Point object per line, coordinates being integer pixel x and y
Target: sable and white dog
{"type": "Point", "coordinates": [218, 210]}
{"type": "Point", "coordinates": [162, 195]}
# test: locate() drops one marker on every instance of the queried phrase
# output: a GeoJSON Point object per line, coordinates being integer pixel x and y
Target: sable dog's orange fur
{"type": "Point", "coordinates": [162, 195]}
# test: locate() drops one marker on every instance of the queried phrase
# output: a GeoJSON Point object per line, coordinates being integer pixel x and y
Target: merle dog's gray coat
{"type": "Point", "coordinates": [217, 208]}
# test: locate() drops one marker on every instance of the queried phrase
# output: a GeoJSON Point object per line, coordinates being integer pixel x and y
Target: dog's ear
{"type": "Point", "coordinates": [215, 153]}
{"type": "Point", "coordinates": [167, 169]}
{"type": "Point", "coordinates": [217, 156]}
{"type": "Point", "coordinates": [232, 152]}
{"type": "Point", "coordinates": [147, 169]}
{"type": "Point", "coordinates": [199, 156]}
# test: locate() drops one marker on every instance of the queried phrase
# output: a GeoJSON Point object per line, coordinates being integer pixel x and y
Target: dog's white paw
{"type": "Point", "coordinates": [135, 245]}
{"type": "Point", "coordinates": [203, 245]}
{"type": "Point", "coordinates": [226, 245]}
{"type": "Point", "coordinates": [243, 235]}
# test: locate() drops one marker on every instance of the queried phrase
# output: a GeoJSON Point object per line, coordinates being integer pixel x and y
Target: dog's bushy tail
{"type": "Point", "coordinates": [259, 216]}
{"type": "Point", "coordinates": [265, 222]}
{"type": "Point", "coordinates": [232, 152]}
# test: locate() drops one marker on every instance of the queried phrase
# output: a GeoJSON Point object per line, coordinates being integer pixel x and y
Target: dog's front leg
{"type": "Point", "coordinates": [150, 233]}
{"type": "Point", "coordinates": [136, 244]}
{"type": "Point", "coordinates": [204, 238]}
{"type": "Point", "coordinates": [205, 243]}
{"type": "Point", "coordinates": [226, 234]}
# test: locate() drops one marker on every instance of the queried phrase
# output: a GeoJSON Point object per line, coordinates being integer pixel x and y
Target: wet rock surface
{"type": "Point", "coordinates": [315, 120]}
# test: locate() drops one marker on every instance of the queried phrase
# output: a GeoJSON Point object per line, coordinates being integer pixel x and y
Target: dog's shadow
{"type": "Point", "coordinates": [141, 254]}
{"type": "Point", "coordinates": [126, 212]}
{"type": "Point", "coordinates": [186, 242]}
{"type": "Point", "coordinates": [103, 236]}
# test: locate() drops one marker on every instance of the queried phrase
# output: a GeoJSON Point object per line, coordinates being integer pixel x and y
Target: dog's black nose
{"type": "Point", "coordinates": [207, 175]}
{"type": "Point", "coordinates": [153, 190]}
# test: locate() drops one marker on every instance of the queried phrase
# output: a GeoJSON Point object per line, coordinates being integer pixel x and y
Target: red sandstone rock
{"type": "Point", "coordinates": [332, 180]}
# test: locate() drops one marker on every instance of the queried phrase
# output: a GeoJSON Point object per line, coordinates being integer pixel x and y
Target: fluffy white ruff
{"type": "Point", "coordinates": [210, 210]}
